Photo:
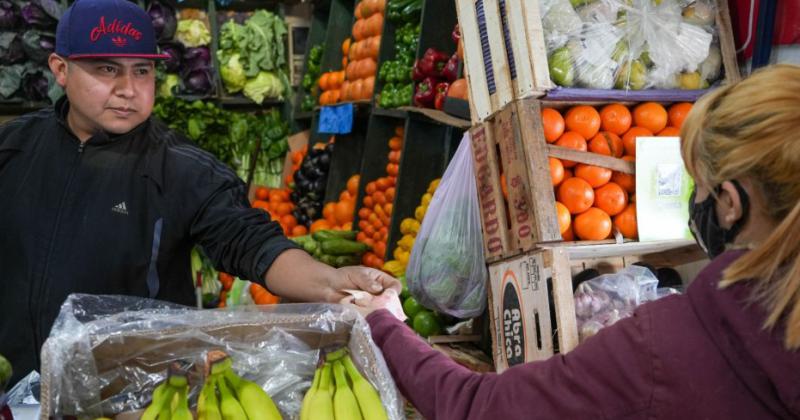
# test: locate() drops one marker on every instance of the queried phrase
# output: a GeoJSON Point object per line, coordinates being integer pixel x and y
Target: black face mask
{"type": "Point", "coordinates": [705, 226]}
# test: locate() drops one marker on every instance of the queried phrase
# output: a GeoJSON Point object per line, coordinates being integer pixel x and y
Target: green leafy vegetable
{"type": "Point", "coordinates": [193, 33]}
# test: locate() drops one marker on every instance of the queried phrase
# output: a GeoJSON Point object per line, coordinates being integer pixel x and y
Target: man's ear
{"type": "Point", "coordinates": [59, 67]}
{"type": "Point", "coordinates": [729, 205]}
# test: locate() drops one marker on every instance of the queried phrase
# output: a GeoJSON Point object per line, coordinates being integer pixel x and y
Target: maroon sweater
{"type": "Point", "coordinates": [701, 355]}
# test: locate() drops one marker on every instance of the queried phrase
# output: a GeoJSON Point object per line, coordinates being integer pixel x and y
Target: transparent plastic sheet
{"type": "Point", "coordinates": [632, 44]}
{"type": "Point", "coordinates": [446, 270]}
{"type": "Point", "coordinates": [106, 354]}
{"type": "Point", "coordinates": [604, 300]}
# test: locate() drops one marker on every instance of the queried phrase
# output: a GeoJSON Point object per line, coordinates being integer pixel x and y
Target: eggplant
{"type": "Point", "coordinates": [317, 173]}
{"type": "Point", "coordinates": [300, 180]}
{"type": "Point", "coordinates": [324, 161]}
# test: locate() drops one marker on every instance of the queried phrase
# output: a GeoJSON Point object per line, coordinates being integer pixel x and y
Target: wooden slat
{"type": "Point", "coordinates": [480, 102]}
{"type": "Point", "coordinates": [534, 35]}
{"type": "Point", "coordinates": [591, 159]}
{"type": "Point", "coordinates": [512, 157]}
{"type": "Point", "coordinates": [543, 203]}
{"type": "Point", "coordinates": [727, 47]}
{"type": "Point", "coordinates": [490, 196]}
{"type": "Point", "coordinates": [563, 299]}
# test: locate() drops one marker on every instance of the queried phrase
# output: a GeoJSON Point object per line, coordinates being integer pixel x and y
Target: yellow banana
{"type": "Point", "coordinates": [345, 405]}
{"type": "Point", "coordinates": [368, 399]}
{"type": "Point", "coordinates": [181, 409]}
{"type": "Point", "coordinates": [321, 406]}
{"type": "Point", "coordinates": [159, 400]}
{"type": "Point", "coordinates": [229, 406]}
{"type": "Point", "coordinates": [305, 413]}
{"type": "Point", "coordinates": [255, 402]}
{"type": "Point", "coordinates": [208, 396]}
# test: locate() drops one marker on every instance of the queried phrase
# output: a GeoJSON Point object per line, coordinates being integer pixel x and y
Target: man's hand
{"type": "Point", "coordinates": [360, 278]}
{"type": "Point", "coordinates": [295, 276]}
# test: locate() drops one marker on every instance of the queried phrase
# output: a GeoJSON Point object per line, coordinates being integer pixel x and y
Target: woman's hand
{"type": "Point", "coordinates": [366, 303]}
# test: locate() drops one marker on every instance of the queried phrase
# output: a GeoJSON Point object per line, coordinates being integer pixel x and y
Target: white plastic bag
{"type": "Point", "coordinates": [446, 271]}
{"type": "Point", "coordinates": [604, 300]}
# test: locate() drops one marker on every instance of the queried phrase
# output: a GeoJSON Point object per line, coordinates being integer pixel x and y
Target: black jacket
{"type": "Point", "coordinates": [116, 215]}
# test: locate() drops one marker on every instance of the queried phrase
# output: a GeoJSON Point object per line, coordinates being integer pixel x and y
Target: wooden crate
{"type": "Point", "coordinates": [512, 142]}
{"type": "Point", "coordinates": [531, 307]}
{"type": "Point", "coordinates": [506, 57]}
{"type": "Point", "coordinates": [486, 63]}
{"type": "Point", "coordinates": [531, 303]}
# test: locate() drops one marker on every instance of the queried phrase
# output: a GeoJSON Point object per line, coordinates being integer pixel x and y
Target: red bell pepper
{"type": "Point", "coordinates": [426, 93]}
{"type": "Point", "coordinates": [433, 62]}
{"type": "Point", "coordinates": [450, 71]}
{"type": "Point", "coordinates": [441, 94]}
{"type": "Point", "coordinates": [416, 74]}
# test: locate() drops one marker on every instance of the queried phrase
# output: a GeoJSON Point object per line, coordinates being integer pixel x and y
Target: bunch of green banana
{"type": "Point", "coordinates": [170, 399]}
{"type": "Point", "coordinates": [239, 399]}
{"type": "Point", "coordinates": [350, 397]}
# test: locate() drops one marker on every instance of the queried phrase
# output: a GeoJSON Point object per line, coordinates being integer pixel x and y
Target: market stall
{"type": "Point", "coordinates": [483, 153]}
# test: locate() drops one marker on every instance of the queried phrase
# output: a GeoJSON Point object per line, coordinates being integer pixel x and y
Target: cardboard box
{"type": "Point", "coordinates": [532, 308]}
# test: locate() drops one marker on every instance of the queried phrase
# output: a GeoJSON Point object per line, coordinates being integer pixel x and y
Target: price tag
{"type": "Point", "coordinates": [336, 119]}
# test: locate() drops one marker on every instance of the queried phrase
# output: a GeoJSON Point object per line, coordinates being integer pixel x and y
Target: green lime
{"type": "Point", "coordinates": [5, 372]}
{"type": "Point", "coordinates": [411, 307]}
{"type": "Point", "coordinates": [426, 323]}
{"type": "Point", "coordinates": [404, 293]}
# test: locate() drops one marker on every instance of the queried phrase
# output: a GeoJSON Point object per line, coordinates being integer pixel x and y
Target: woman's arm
{"type": "Point", "coordinates": [610, 375]}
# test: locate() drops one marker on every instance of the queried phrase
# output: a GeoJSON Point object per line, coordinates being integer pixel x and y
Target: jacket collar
{"type": "Point", "coordinates": [61, 109]}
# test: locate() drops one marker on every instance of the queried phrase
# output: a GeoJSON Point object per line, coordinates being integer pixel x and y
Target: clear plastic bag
{"type": "Point", "coordinates": [446, 271]}
{"type": "Point", "coordinates": [604, 300]}
{"type": "Point", "coordinates": [631, 44]}
{"type": "Point", "coordinates": [106, 354]}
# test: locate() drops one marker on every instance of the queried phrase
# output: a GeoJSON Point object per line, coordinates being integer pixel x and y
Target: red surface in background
{"type": "Point", "coordinates": [787, 23]}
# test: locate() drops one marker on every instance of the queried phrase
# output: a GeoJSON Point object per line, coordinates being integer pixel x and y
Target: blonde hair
{"type": "Point", "coordinates": [752, 130]}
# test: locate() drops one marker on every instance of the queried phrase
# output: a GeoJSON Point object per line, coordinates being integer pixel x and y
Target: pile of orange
{"type": "Point", "coordinates": [279, 208]}
{"type": "Point", "coordinates": [339, 215]}
{"type": "Point", "coordinates": [331, 85]}
{"type": "Point", "coordinates": [360, 54]}
{"type": "Point", "coordinates": [590, 200]}
{"type": "Point", "coordinates": [375, 215]}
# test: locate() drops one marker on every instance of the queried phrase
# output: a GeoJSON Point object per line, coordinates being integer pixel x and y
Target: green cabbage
{"type": "Point", "coordinates": [233, 74]}
{"type": "Point", "coordinates": [165, 89]}
{"type": "Point", "coordinates": [193, 33]}
{"type": "Point", "coordinates": [264, 85]}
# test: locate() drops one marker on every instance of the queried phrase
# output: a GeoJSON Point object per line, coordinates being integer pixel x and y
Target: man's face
{"type": "Point", "coordinates": [110, 94]}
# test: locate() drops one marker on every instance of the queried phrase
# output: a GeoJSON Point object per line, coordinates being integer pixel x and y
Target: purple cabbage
{"type": "Point", "coordinates": [35, 86]}
{"type": "Point", "coordinates": [175, 51]}
{"type": "Point", "coordinates": [198, 81]}
{"type": "Point", "coordinates": [9, 15]}
{"type": "Point", "coordinates": [195, 58]}
{"type": "Point", "coordinates": [41, 13]}
{"type": "Point", "coordinates": [164, 20]}
{"type": "Point", "coordinates": [38, 46]}
{"type": "Point", "coordinates": [11, 50]}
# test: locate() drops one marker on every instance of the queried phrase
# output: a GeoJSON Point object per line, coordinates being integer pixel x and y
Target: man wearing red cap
{"type": "Point", "coordinates": [100, 198]}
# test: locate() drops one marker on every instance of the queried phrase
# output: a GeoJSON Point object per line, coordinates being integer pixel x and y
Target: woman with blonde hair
{"type": "Point", "coordinates": [729, 348]}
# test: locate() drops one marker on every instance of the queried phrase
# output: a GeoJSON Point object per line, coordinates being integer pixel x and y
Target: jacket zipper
{"type": "Point", "coordinates": [36, 316]}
